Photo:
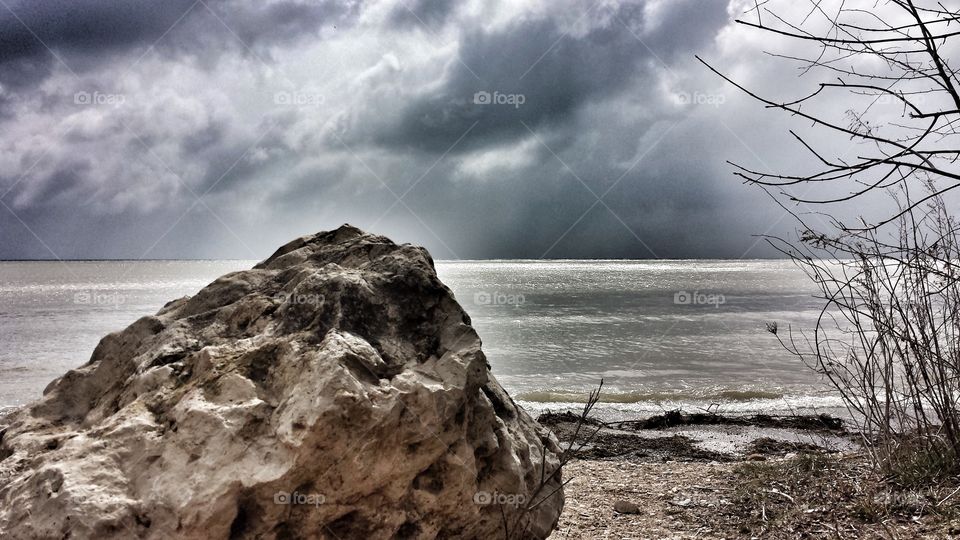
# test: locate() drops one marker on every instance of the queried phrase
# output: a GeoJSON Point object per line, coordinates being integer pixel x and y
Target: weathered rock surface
{"type": "Point", "coordinates": [337, 390]}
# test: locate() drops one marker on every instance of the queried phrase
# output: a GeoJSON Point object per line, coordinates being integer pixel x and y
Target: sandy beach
{"type": "Point", "coordinates": [726, 482]}
{"type": "Point", "coordinates": [665, 492]}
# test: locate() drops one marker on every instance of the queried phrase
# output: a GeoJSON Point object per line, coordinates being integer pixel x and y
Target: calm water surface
{"type": "Point", "coordinates": [660, 333]}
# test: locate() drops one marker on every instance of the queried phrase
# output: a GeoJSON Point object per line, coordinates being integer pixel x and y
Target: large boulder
{"type": "Point", "coordinates": [336, 390]}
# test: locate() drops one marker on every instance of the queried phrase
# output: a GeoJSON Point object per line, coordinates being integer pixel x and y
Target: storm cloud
{"type": "Point", "coordinates": [222, 128]}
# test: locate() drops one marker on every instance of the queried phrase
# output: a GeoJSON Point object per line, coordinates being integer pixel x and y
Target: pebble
{"type": "Point", "coordinates": [626, 507]}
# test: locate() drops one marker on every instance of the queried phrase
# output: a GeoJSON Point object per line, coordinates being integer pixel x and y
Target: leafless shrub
{"type": "Point", "coordinates": [887, 337]}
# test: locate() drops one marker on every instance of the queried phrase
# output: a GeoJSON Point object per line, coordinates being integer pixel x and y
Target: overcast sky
{"type": "Point", "coordinates": [480, 129]}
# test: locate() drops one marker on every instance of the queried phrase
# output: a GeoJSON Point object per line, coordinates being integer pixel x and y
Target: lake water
{"type": "Point", "coordinates": [661, 334]}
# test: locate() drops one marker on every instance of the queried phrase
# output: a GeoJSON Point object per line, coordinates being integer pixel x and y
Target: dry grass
{"type": "Point", "coordinates": [808, 496]}
{"type": "Point", "coordinates": [823, 496]}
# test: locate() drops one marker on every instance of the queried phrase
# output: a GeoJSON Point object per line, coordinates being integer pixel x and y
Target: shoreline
{"type": "Point", "coordinates": [661, 471]}
{"type": "Point", "coordinates": [616, 411]}
{"type": "Point", "coordinates": [733, 478]}
{"type": "Point", "coordinates": [700, 437]}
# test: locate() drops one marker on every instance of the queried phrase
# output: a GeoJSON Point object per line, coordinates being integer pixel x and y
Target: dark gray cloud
{"type": "Point", "coordinates": [83, 25]}
{"type": "Point", "coordinates": [315, 126]}
{"type": "Point", "coordinates": [553, 71]}
{"type": "Point", "coordinates": [86, 33]}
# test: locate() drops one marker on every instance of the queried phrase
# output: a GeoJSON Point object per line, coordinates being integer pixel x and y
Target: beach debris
{"type": "Point", "coordinates": [337, 389]}
{"type": "Point", "coordinates": [676, 417]}
{"type": "Point", "coordinates": [773, 447]}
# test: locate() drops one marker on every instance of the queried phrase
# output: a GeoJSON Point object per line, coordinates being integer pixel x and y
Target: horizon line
{"type": "Point", "coordinates": [436, 260]}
